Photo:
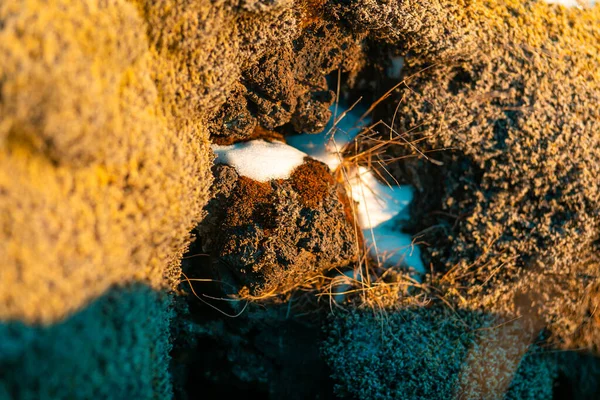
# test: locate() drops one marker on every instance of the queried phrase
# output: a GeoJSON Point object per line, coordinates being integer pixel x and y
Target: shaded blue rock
{"type": "Point", "coordinates": [117, 347]}
{"type": "Point", "coordinates": [430, 353]}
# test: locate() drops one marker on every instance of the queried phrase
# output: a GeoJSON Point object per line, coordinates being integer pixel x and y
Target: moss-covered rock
{"type": "Point", "coordinates": [517, 216]}
{"type": "Point", "coordinates": [286, 85]}
{"type": "Point", "coordinates": [433, 353]}
{"type": "Point", "coordinates": [434, 29]}
{"type": "Point", "coordinates": [106, 108]}
{"type": "Point", "coordinates": [104, 170]}
{"type": "Point", "coordinates": [115, 348]}
{"type": "Point", "coordinates": [97, 187]}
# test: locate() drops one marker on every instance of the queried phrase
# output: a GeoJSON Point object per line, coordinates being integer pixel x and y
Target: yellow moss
{"type": "Point", "coordinates": [97, 187]}
{"type": "Point", "coordinates": [311, 11]}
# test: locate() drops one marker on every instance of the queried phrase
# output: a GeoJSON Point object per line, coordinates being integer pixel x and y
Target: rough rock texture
{"type": "Point", "coordinates": [511, 219]}
{"type": "Point", "coordinates": [433, 353]}
{"type": "Point", "coordinates": [518, 217]}
{"type": "Point", "coordinates": [521, 184]}
{"type": "Point", "coordinates": [105, 167]}
{"type": "Point", "coordinates": [116, 348]}
{"type": "Point", "coordinates": [287, 85]}
{"type": "Point", "coordinates": [91, 164]}
{"type": "Point", "coordinates": [202, 47]}
{"type": "Point", "coordinates": [274, 235]}
{"type": "Point", "coordinates": [98, 188]}
{"type": "Point", "coordinates": [434, 29]}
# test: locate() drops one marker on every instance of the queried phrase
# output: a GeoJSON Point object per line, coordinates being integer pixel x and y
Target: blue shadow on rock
{"type": "Point", "coordinates": [117, 347]}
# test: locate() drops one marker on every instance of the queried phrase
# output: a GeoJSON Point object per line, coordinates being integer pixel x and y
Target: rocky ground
{"type": "Point", "coordinates": [136, 265]}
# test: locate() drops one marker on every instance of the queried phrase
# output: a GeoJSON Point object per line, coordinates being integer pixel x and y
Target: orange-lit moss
{"type": "Point", "coordinates": [201, 47]}
{"type": "Point", "coordinates": [195, 46]}
{"type": "Point", "coordinates": [266, 134]}
{"type": "Point", "coordinates": [433, 29]}
{"type": "Point", "coordinates": [311, 11]}
{"type": "Point", "coordinates": [104, 153]}
{"type": "Point", "coordinates": [520, 115]}
{"type": "Point", "coordinates": [312, 181]}
{"type": "Point", "coordinates": [97, 187]}
{"type": "Point", "coordinates": [251, 202]}
{"type": "Point", "coordinates": [350, 214]}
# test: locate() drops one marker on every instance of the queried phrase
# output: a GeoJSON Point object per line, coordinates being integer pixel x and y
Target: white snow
{"type": "Point", "coordinates": [260, 160]}
{"type": "Point", "coordinates": [381, 211]}
{"type": "Point", "coordinates": [395, 70]}
{"type": "Point", "coordinates": [343, 283]}
{"type": "Point", "coordinates": [394, 248]}
{"type": "Point", "coordinates": [573, 3]}
{"type": "Point", "coordinates": [381, 208]}
{"type": "Point", "coordinates": [378, 202]}
{"type": "Point", "coordinates": [325, 146]}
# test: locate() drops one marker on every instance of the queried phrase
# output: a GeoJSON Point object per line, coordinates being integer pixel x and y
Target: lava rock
{"type": "Point", "coordinates": [274, 235]}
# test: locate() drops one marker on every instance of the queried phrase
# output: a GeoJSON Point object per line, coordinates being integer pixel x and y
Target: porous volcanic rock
{"type": "Point", "coordinates": [274, 235]}
{"type": "Point", "coordinates": [514, 211]}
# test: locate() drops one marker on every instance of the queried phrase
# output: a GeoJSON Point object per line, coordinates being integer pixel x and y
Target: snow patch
{"type": "Point", "coordinates": [325, 146]}
{"type": "Point", "coordinates": [381, 208]}
{"type": "Point", "coordinates": [573, 3]}
{"type": "Point", "coordinates": [260, 160]}
{"type": "Point", "coordinates": [394, 248]}
{"type": "Point", "coordinates": [378, 202]}
{"type": "Point", "coordinates": [395, 70]}
{"type": "Point", "coordinates": [381, 212]}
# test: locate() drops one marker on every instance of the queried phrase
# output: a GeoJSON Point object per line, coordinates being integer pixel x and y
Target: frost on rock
{"type": "Point", "coordinates": [260, 160]}
{"type": "Point", "coordinates": [434, 353]}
